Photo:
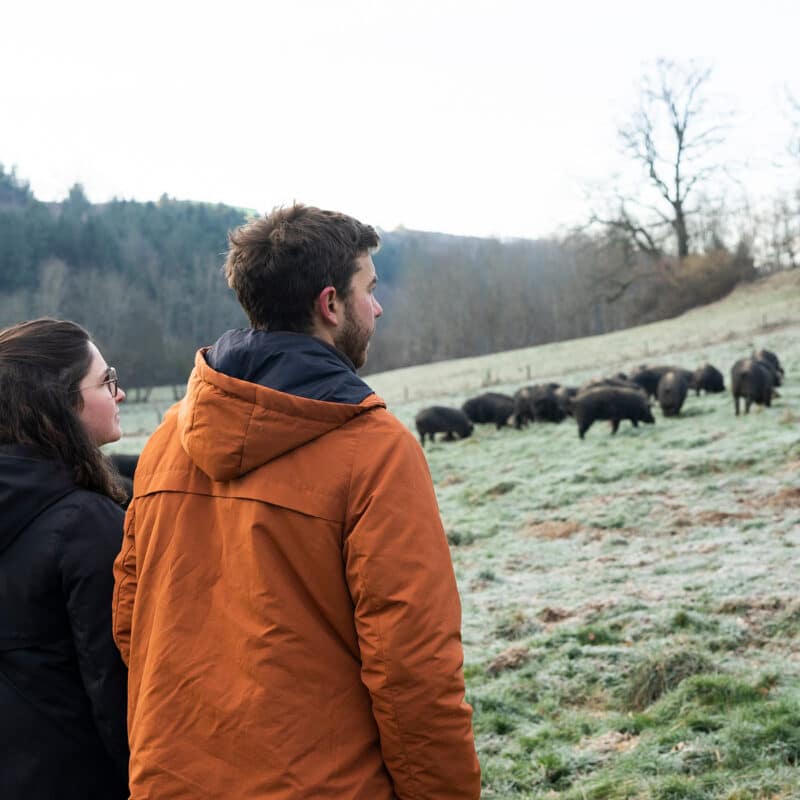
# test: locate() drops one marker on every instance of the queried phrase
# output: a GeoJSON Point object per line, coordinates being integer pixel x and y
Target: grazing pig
{"type": "Point", "coordinates": [489, 407]}
{"type": "Point", "coordinates": [441, 419]}
{"type": "Point", "coordinates": [523, 409]}
{"type": "Point", "coordinates": [708, 378]}
{"type": "Point", "coordinates": [672, 390]}
{"type": "Point", "coordinates": [648, 377]}
{"type": "Point", "coordinates": [618, 381]}
{"type": "Point", "coordinates": [564, 397]}
{"type": "Point", "coordinates": [611, 403]}
{"type": "Point", "coordinates": [537, 403]}
{"type": "Point", "coordinates": [753, 381]}
{"type": "Point", "coordinates": [772, 363]}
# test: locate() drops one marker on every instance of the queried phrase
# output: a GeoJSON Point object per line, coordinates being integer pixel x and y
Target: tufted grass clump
{"type": "Point", "coordinates": [662, 673]}
{"type": "Point", "coordinates": [773, 734]}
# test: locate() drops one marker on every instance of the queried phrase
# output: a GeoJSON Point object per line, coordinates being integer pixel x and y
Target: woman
{"type": "Point", "coordinates": [62, 682]}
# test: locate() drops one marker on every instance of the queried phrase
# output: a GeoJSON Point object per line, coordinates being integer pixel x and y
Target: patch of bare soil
{"type": "Point", "coordinates": [598, 606]}
{"type": "Point", "coordinates": [513, 658]}
{"type": "Point", "coordinates": [610, 742]}
{"type": "Point", "coordinates": [719, 517]}
{"type": "Point", "coordinates": [756, 613]}
{"type": "Point", "coordinates": [551, 529]}
{"type": "Point", "coordinates": [550, 615]}
{"type": "Point", "coordinates": [789, 497]}
{"type": "Point", "coordinates": [743, 605]}
{"type": "Point", "coordinates": [451, 480]}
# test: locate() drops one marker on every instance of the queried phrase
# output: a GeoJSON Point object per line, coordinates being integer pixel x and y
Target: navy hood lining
{"type": "Point", "coordinates": [293, 363]}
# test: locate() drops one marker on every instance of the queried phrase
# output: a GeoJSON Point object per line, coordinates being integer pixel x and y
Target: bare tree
{"type": "Point", "coordinates": [671, 138]}
{"type": "Point", "coordinates": [794, 112]}
{"type": "Point", "coordinates": [782, 233]}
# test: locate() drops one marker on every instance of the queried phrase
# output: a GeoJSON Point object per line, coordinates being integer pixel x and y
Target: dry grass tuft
{"type": "Point", "coordinates": [550, 615]}
{"type": "Point", "coordinates": [499, 489]}
{"type": "Point", "coordinates": [513, 658]}
{"type": "Point", "coordinates": [742, 605]}
{"type": "Point", "coordinates": [551, 529]}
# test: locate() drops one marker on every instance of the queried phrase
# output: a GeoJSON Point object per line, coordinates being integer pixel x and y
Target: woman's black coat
{"type": "Point", "coordinates": [62, 681]}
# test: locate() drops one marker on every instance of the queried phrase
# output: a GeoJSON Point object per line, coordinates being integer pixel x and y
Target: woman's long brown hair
{"type": "Point", "coordinates": [42, 363]}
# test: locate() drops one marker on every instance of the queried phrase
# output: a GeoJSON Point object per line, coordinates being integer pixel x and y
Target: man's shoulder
{"type": "Point", "coordinates": [163, 445]}
{"type": "Point", "coordinates": [378, 420]}
{"type": "Point", "coordinates": [383, 440]}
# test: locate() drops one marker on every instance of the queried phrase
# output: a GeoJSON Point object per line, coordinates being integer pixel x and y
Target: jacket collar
{"type": "Point", "coordinates": [229, 425]}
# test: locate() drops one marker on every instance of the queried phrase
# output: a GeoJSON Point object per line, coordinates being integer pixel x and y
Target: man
{"type": "Point", "coordinates": [284, 596]}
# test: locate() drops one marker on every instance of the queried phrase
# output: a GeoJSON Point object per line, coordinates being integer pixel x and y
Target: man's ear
{"type": "Point", "coordinates": [327, 306]}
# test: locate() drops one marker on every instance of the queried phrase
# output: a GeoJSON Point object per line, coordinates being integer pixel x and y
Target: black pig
{"type": "Point", "coordinates": [708, 378]}
{"type": "Point", "coordinates": [489, 407]}
{"type": "Point", "coordinates": [611, 403]}
{"type": "Point", "coordinates": [672, 390]}
{"type": "Point", "coordinates": [753, 381]}
{"type": "Point", "coordinates": [442, 419]}
{"type": "Point", "coordinates": [538, 403]}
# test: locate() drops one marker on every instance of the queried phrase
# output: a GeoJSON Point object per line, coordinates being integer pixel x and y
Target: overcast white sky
{"type": "Point", "coordinates": [464, 116]}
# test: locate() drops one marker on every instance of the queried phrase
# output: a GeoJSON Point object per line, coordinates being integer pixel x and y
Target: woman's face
{"type": "Point", "coordinates": [100, 412]}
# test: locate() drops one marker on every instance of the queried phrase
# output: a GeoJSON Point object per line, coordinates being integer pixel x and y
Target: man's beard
{"type": "Point", "coordinates": [353, 340]}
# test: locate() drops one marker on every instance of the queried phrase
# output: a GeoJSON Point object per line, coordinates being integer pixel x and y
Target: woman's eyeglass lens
{"type": "Point", "coordinates": [111, 381]}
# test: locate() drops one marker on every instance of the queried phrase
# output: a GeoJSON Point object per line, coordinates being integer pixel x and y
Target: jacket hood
{"type": "Point", "coordinates": [294, 363]}
{"type": "Point", "coordinates": [29, 484]}
{"type": "Point", "coordinates": [265, 395]}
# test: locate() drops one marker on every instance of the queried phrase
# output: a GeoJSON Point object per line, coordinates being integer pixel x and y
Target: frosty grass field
{"type": "Point", "coordinates": [631, 618]}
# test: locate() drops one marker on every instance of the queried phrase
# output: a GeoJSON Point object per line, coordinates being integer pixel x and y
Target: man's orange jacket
{"type": "Point", "coordinates": [287, 607]}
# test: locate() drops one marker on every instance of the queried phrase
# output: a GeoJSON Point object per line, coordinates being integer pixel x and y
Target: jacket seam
{"type": "Point", "coordinates": [384, 661]}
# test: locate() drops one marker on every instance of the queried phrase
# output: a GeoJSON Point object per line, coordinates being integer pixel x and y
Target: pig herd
{"type": "Point", "coordinates": [616, 398]}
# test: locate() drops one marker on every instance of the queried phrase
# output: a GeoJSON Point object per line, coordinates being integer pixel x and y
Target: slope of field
{"type": "Point", "coordinates": [631, 619]}
{"type": "Point", "coordinates": [746, 315]}
{"type": "Point", "coordinates": [631, 613]}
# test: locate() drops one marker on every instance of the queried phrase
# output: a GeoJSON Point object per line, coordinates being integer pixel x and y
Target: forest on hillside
{"type": "Point", "coordinates": [146, 280]}
{"type": "Point", "coordinates": [145, 277]}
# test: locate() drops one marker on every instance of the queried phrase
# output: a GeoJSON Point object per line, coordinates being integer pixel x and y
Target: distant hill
{"type": "Point", "coordinates": [145, 279]}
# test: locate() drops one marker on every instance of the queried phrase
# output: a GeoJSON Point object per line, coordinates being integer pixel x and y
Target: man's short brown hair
{"type": "Point", "coordinates": [278, 265]}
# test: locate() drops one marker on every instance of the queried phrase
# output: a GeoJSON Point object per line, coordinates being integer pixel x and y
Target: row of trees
{"type": "Point", "coordinates": [145, 278]}
{"type": "Point", "coordinates": [474, 297]}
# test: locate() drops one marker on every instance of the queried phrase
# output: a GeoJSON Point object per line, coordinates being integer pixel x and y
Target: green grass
{"type": "Point", "coordinates": [630, 617]}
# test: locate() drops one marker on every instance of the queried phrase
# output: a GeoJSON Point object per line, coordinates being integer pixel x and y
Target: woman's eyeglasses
{"type": "Point", "coordinates": [111, 381]}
